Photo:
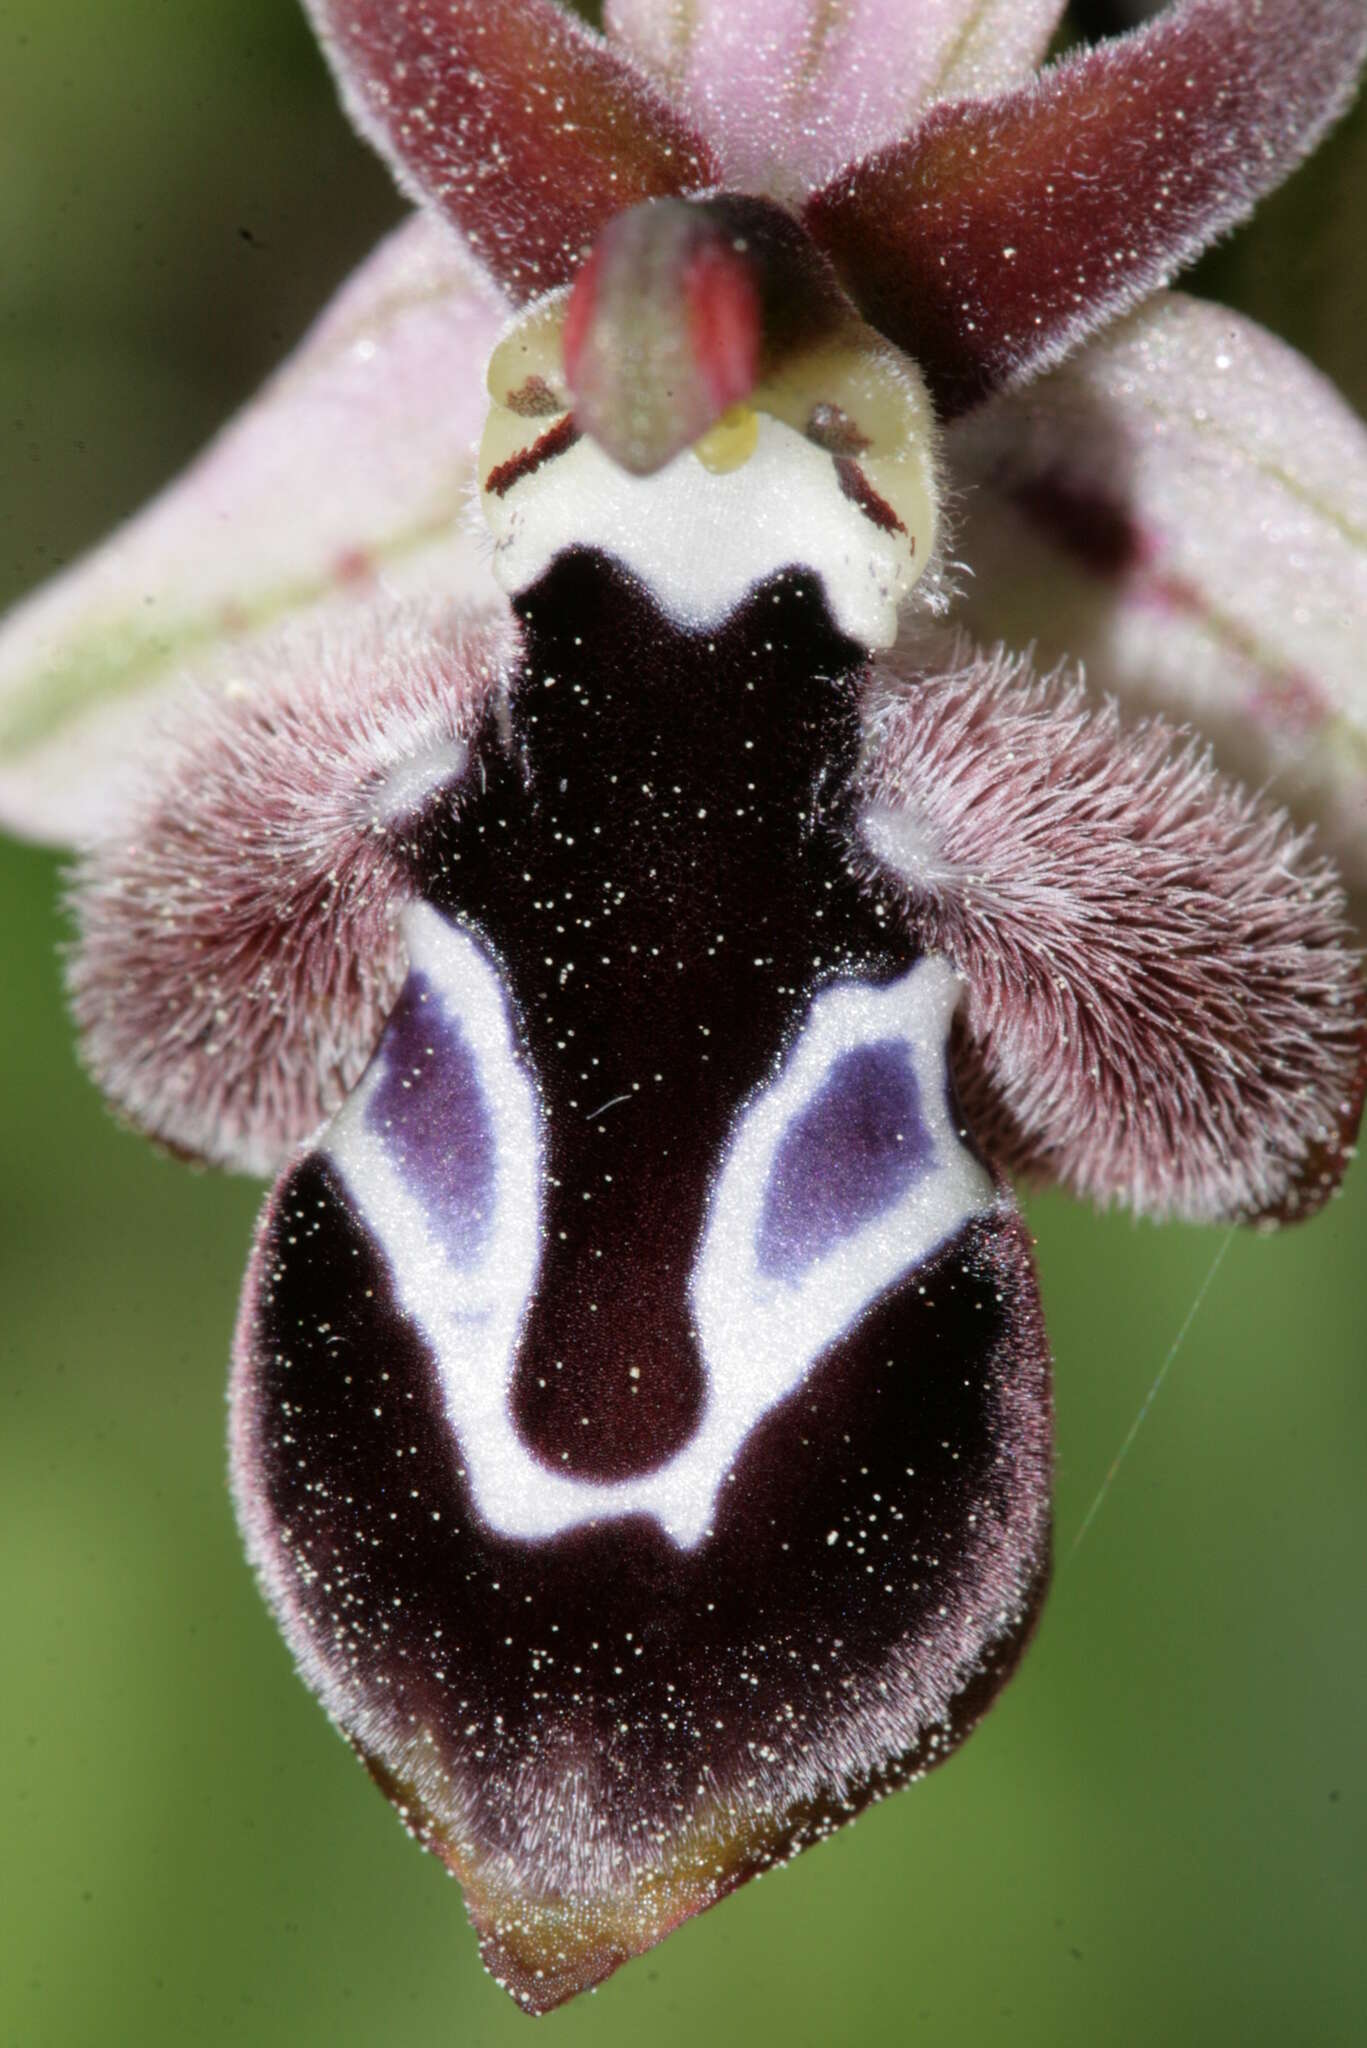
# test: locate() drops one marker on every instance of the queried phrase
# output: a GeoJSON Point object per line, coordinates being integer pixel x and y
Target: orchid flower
{"type": "Point", "coordinates": [562, 785]}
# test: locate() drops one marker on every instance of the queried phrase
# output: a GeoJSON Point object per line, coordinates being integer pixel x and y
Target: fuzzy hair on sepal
{"type": "Point", "coordinates": [237, 946]}
{"type": "Point", "coordinates": [1164, 1010]}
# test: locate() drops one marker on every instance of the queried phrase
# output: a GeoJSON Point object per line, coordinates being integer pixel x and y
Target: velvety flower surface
{"type": "Point", "coordinates": [551, 785]}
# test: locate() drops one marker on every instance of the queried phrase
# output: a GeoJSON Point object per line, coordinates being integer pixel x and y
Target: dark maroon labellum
{"type": "Point", "coordinates": [605, 1719]}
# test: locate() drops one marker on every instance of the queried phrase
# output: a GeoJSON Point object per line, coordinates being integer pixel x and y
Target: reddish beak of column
{"type": "Point", "coordinates": [681, 309]}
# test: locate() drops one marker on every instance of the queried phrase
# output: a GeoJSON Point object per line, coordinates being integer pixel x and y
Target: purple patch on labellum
{"type": "Point", "coordinates": [429, 1110]}
{"type": "Point", "coordinates": [854, 1150]}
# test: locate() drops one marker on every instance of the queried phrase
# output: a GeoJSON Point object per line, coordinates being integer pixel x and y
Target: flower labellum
{"type": "Point", "coordinates": [644, 938]}
{"type": "Point", "coordinates": [593, 1434]}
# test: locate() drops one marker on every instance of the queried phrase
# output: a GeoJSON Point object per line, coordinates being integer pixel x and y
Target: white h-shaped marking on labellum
{"type": "Point", "coordinates": [842, 1175]}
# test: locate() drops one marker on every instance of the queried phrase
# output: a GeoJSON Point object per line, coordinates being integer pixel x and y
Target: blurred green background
{"type": "Point", "coordinates": [1161, 1832]}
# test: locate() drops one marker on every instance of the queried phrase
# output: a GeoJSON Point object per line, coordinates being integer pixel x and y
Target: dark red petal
{"type": "Point", "coordinates": [1002, 232]}
{"type": "Point", "coordinates": [237, 948]}
{"type": "Point", "coordinates": [525, 128]}
{"type": "Point", "coordinates": [1164, 1008]}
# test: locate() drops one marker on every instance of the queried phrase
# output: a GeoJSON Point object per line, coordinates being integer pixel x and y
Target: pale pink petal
{"type": "Point", "coordinates": [237, 941]}
{"type": "Point", "coordinates": [1163, 1011]}
{"type": "Point", "coordinates": [1001, 233]}
{"type": "Point", "coordinates": [350, 474]}
{"type": "Point", "coordinates": [789, 91]}
{"type": "Point", "coordinates": [527, 130]}
{"type": "Point", "coordinates": [1184, 508]}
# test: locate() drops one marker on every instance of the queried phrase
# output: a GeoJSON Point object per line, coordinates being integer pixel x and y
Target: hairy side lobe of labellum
{"type": "Point", "coordinates": [641, 1409]}
{"type": "Point", "coordinates": [1164, 1009]}
{"type": "Point", "coordinates": [237, 943]}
